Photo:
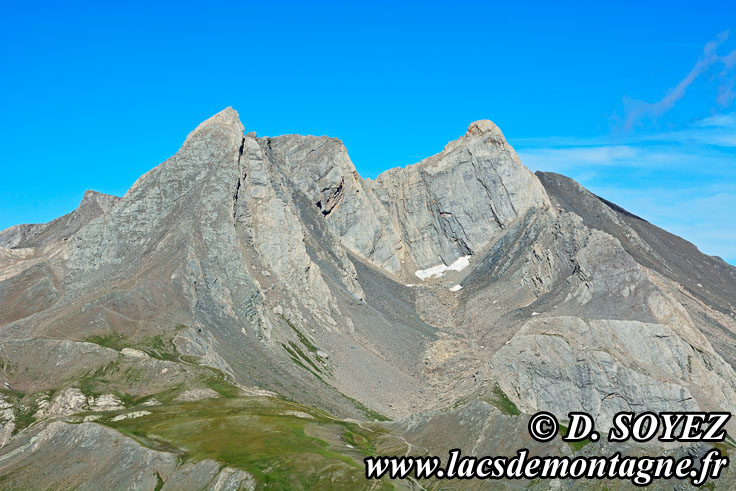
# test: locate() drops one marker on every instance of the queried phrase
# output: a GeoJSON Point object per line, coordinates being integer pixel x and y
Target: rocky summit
{"type": "Point", "coordinates": [253, 314]}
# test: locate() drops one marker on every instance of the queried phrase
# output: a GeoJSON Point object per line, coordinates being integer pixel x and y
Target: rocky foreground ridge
{"type": "Point", "coordinates": [253, 286]}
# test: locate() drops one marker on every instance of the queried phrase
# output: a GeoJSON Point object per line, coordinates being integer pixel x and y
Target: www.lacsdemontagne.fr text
{"type": "Point", "coordinates": [667, 427]}
{"type": "Point", "coordinates": [641, 471]}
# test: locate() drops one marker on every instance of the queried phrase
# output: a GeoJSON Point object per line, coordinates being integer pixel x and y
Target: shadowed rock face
{"type": "Point", "coordinates": [248, 266]}
{"type": "Point", "coordinates": [706, 285]}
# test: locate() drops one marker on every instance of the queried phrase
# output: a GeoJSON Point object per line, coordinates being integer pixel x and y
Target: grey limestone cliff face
{"type": "Point", "coordinates": [429, 213]}
{"type": "Point", "coordinates": [452, 204]}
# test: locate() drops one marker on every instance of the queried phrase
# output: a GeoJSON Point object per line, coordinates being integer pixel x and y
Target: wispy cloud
{"type": "Point", "coordinates": [701, 214]}
{"type": "Point", "coordinates": [718, 130]}
{"type": "Point", "coordinates": [682, 180]}
{"type": "Point", "coordinates": [715, 130]}
{"type": "Point", "coordinates": [725, 89]}
{"type": "Point", "coordinates": [707, 145]}
{"type": "Point", "coordinates": [637, 111]}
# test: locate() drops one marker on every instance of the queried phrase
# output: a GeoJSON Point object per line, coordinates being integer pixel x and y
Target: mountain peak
{"type": "Point", "coordinates": [104, 201]}
{"type": "Point", "coordinates": [480, 127]}
{"type": "Point", "coordinates": [227, 118]}
{"type": "Point", "coordinates": [484, 127]}
{"type": "Point", "coordinates": [91, 195]}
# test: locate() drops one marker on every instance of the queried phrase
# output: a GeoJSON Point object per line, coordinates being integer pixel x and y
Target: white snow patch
{"type": "Point", "coordinates": [437, 271]}
{"type": "Point", "coordinates": [456, 288]}
{"type": "Point", "coordinates": [460, 263]}
{"type": "Point", "coordinates": [410, 285]}
{"type": "Point", "coordinates": [434, 271]}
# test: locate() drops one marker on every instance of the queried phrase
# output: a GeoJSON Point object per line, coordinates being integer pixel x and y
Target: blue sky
{"type": "Point", "coordinates": [634, 101]}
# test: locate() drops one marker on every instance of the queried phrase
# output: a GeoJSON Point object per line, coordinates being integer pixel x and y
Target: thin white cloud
{"type": "Point", "coordinates": [725, 89]}
{"type": "Point", "coordinates": [662, 158]}
{"type": "Point", "coordinates": [716, 130]}
{"type": "Point", "coordinates": [637, 111]}
{"type": "Point", "coordinates": [683, 181]}
{"type": "Point", "coordinates": [701, 214]}
{"type": "Point", "coordinates": [718, 121]}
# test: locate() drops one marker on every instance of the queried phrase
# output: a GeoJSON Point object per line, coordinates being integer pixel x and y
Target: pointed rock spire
{"type": "Point", "coordinates": [227, 118]}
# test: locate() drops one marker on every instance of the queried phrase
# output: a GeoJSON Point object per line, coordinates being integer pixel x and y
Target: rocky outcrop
{"type": "Point", "coordinates": [562, 364]}
{"type": "Point", "coordinates": [90, 456]}
{"type": "Point", "coordinates": [73, 401]}
{"type": "Point", "coordinates": [93, 204]}
{"type": "Point", "coordinates": [319, 167]}
{"type": "Point", "coordinates": [704, 285]}
{"type": "Point", "coordinates": [453, 203]}
{"type": "Point", "coordinates": [429, 213]}
{"type": "Point", "coordinates": [7, 421]}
